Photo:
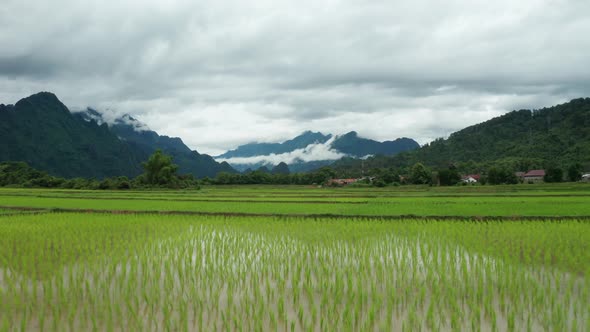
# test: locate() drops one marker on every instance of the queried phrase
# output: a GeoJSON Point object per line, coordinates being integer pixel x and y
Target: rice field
{"type": "Point", "coordinates": [104, 266]}
{"type": "Point", "coordinates": [530, 201]}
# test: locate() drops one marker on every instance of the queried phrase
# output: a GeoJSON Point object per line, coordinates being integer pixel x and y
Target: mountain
{"type": "Point", "coordinates": [263, 149]}
{"type": "Point", "coordinates": [311, 150]}
{"type": "Point", "coordinates": [141, 138]}
{"type": "Point", "coordinates": [521, 140]}
{"type": "Point", "coordinates": [353, 145]}
{"type": "Point", "coordinates": [281, 168]}
{"type": "Point", "coordinates": [41, 131]}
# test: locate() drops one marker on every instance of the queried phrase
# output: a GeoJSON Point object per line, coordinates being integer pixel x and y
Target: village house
{"type": "Point", "coordinates": [341, 182]}
{"type": "Point", "coordinates": [535, 175]}
{"type": "Point", "coordinates": [586, 177]}
{"type": "Point", "coordinates": [471, 178]}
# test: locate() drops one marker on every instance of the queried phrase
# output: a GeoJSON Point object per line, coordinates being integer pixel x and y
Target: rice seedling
{"type": "Point", "coordinates": [354, 203]}
{"type": "Point", "coordinates": [89, 271]}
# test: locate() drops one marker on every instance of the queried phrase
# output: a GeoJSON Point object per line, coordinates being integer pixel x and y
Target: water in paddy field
{"type": "Point", "coordinates": [212, 278]}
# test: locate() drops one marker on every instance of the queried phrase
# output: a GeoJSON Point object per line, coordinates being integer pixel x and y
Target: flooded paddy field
{"type": "Point", "coordinates": [116, 270]}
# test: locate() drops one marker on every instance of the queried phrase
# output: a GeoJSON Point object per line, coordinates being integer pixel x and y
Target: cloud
{"type": "Point", "coordinates": [224, 73]}
{"type": "Point", "coordinates": [111, 117]}
{"type": "Point", "coordinates": [312, 152]}
{"type": "Point", "coordinates": [130, 121]}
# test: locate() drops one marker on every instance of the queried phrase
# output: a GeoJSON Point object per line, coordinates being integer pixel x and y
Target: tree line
{"type": "Point", "coordinates": [161, 172]}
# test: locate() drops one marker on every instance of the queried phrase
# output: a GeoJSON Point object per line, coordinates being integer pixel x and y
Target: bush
{"type": "Point", "coordinates": [502, 175]}
{"type": "Point", "coordinates": [554, 174]}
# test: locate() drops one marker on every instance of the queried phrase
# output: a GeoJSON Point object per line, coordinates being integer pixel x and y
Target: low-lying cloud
{"type": "Point", "coordinates": [111, 118]}
{"type": "Point", "coordinates": [312, 152]}
{"type": "Point", "coordinates": [126, 119]}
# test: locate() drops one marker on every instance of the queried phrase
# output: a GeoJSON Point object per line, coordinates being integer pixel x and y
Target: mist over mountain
{"type": "Point", "coordinates": [41, 131]}
{"type": "Point", "coordinates": [140, 137]}
{"type": "Point", "coordinates": [312, 150]}
{"type": "Point", "coordinates": [262, 149]}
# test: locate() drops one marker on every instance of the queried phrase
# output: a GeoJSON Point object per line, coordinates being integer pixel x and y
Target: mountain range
{"type": "Point", "coordinates": [137, 135]}
{"type": "Point", "coordinates": [312, 150]}
{"type": "Point", "coordinates": [41, 131]}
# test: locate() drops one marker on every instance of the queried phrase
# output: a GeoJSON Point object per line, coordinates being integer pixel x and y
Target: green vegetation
{"type": "Point", "coordinates": [260, 176]}
{"type": "Point", "coordinates": [448, 177]}
{"type": "Point", "coordinates": [271, 258]}
{"type": "Point", "coordinates": [355, 203]}
{"type": "Point", "coordinates": [159, 172]}
{"type": "Point", "coordinates": [519, 141]}
{"type": "Point", "coordinates": [574, 172]}
{"type": "Point", "coordinates": [420, 174]}
{"type": "Point", "coordinates": [132, 272]}
{"type": "Point", "coordinates": [502, 175]}
{"type": "Point", "coordinates": [41, 131]}
{"type": "Point", "coordinates": [553, 174]}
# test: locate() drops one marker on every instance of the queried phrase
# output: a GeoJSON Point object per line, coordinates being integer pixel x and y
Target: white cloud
{"type": "Point", "coordinates": [128, 120]}
{"type": "Point", "coordinates": [223, 73]}
{"type": "Point", "coordinates": [312, 152]}
{"type": "Point", "coordinates": [111, 117]}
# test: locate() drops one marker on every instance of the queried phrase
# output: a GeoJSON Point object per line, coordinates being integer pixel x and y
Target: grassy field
{"type": "Point", "coordinates": [296, 259]}
{"type": "Point", "coordinates": [532, 201]}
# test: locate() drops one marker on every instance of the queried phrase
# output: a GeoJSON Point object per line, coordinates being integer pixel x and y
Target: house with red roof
{"type": "Point", "coordinates": [471, 178]}
{"type": "Point", "coordinates": [341, 182]}
{"type": "Point", "coordinates": [535, 175]}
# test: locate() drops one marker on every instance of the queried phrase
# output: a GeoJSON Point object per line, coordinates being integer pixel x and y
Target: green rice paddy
{"type": "Point", "coordinates": [513, 258]}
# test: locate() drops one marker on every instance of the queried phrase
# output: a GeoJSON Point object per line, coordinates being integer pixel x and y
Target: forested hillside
{"type": "Point", "coordinates": [140, 138]}
{"type": "Point", "coordinates": [555, 136]}
{"type": "Point", "coordinates": [41, 131]}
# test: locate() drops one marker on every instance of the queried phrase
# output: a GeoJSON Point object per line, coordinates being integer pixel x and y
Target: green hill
{"type": "Point", "coordinates": [521, 140]}
{"type": "Point", "coordinates": [146, 142]}
{"type": "Point", "coordinates": [41, 131]}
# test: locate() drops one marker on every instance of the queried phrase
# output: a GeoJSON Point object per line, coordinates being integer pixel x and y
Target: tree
{"type": "Point", "coordinates": [281, 168]}
{"type": "Point", "coordinates": [448, 177]}
{"type": "Point", "coordinates": [501, 175]}
{"type": "Point", "coordinates": [159, 170]}
{"type": "Point", "coordinates": [390, 176]}
{"type": "Point", "coordinates": [323, 174]}
{"type": "Point", "coordinates": [554, 174]}
{"type": "Point", "coordinates": [420, 174]}
{"type": "Point", "coordinates": [574, 172]}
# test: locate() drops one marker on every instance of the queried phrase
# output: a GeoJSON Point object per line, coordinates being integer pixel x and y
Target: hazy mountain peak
{"type": "Point", "coordinates": [351, 134]}
{"type": "Point", "coordinates": [41, 102]}
{"type": "Point", "coordinates": [312, 149]}
{"type": "Point", "coordinates": [112, 119]}
{"type": "Point", "coordinates": [43, 95]}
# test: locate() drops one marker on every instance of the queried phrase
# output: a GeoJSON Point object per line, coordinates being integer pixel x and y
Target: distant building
{"type": "Point", "coordinates": [586, 177]}
{"type": "Point", "coordinates": [471, 178]}
{"type": "Point", "coordinates": [342, 182]}
{"type": "Point", "coordinates": [535, 175]}
{"type": "Point", "coordinates": [520, 175]}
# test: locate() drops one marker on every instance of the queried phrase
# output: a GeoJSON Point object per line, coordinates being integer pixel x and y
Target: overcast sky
{"type": "Point", "coordinates": [222, 73]}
